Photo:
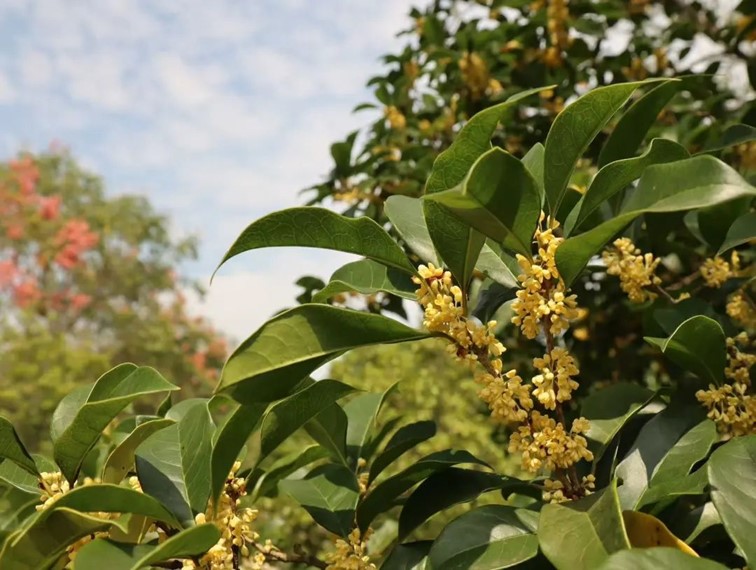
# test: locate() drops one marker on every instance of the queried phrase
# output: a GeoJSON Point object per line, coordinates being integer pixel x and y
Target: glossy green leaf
{"type": "Point", "coordinates": [498, 265]}
{"type": "Point", "coordinates": [580, 535]}
{"type": "Point", "coordinates": [15, 507]}
{"type": "Point", "coordinates": [632, 127]}
{"type": "Point", "coordinates": [672, 477]}
{"type": "Point", "coordinates": [330, 494]}
{"type": "Point", "coordinates": [573, 130]}
{"type": "Point", "coordinates": [173, 464]}
{"type": "Point", "coordinates": [615, 176]}
{"type": "Point", "coordinates": [101, 553]}
{"type": "Point", "coordinates": [443, 490]}
{"type": "Point", "coordinates": [534, 162]}
{"type": "Point", "coordinates": [734, 135]}
{"type": "Point", "coordinates": [657, 558]}
{"type": "Point", "coordinates": [271, 362]}
{"type": "Point", "coordinates": [12, 449]}
{"type": "Point", "coordinates": [381, 498]}
{"type": "Point", "coordinates": [329, 429]}
{"type": "Point", "coordinates": [405, 438]}
{"type": "Point", "coordinates": [121, 459]}
{"type": "Point", "coordinates": [452, 165]}
{"type": "Point", "coordinates": [79, 419]}
{"type": "Point", "coordinates": [610, 408]}
{"type": "Point", "coordinates": [362, 415]}
{"type": "Point", "coordinates": [289, 415]}
{"type": "Point", "coordinates": [367, 277]}
{"type": "Point", "coordinates": [688, 184]}
{"type": "Point", "coordinates": [323, 229]}
{"type": "Point", "coordinates": [409, 556]}
{"type": "Point", "coordinates": [696, 521]}
{"type": "Point", "coordinates": [697, 345]}
{"type": "Point", "coordinates": [714, 222]}
{"type": "Point", "coordinates": [265, 484]}
{"type": "Point", "coordinates": [456, 242]}
{"type": "Point", "coordinates": [742, 230]}
{"type": "Point", "coordinates": [406, 215]}
{"type": "Point", "coordinates": [229, 441]}
{"type": "Point", "coordinates": [499, 198]}
{"type": "Point", "coordinates": [733, 490]}
{"type": "Point", "coordinates": [486, 538]}
{"type": "Point", "coordinates": [653, 447]}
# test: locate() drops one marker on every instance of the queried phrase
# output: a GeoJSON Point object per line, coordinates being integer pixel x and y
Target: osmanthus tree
{"type": "Point", "coordinates": [87, 281]}
{"type": "Point", "coordinates": [638, 473]}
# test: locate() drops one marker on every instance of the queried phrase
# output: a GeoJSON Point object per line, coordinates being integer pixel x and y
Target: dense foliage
{"type": "Point", "coordinates": [87, 281]}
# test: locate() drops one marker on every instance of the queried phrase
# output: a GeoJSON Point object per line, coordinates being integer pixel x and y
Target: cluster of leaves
{"type": "Point", "coordinates": [671, 490]}
{"type": "Point", "coordinates": [87, 281]}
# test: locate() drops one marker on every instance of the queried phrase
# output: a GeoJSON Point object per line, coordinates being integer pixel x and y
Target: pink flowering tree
{"type": "Point", "coordinates": [87, 280]}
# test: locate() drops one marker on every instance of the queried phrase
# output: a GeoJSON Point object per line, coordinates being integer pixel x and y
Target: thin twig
{"type": "Point", "coordinates": [299, 557]}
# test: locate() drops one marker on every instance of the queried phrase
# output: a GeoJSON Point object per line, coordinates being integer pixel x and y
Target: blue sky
{"type": "Point", "coordinates": [219, 111]}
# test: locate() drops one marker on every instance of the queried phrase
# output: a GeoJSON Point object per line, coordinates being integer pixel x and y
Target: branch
{"type": "Point", "coordinates": [299, 557]}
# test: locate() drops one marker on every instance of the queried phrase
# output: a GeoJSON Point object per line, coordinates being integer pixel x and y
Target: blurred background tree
{"type": "Point", "coordinates": [87, 281]}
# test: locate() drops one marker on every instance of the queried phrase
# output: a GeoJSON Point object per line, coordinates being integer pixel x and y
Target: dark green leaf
{"type": "Point", "coordinates": [499, 198]}
{"type": "Point", "coordinates": [406, 215]}
{"type": "Point", "coordinates": [498, 265]}
{"type": "Point", "coordinates": [78, 421]}
{"type": "Point", "coordinates": [410, 556]}
{"type": "Point", "coordinates": [324, 229]}
{"type": "Point", "coordinates": [381, 497]}
{"type": "Point", "coordinates": [329, 429]}
{"type": "Point", "coordinates": [362, 415]}
{"type": "Point", "coordinates": [697, 345]}
{"type": "Point", "coordinates": [573, 130]}
{"type": "Point", "coordinates": [402, 441]}
{"type": "Point", "coordinates": [631, 129]}
{"type": "Point", "coordinates": [734, 135]}
{"type": "Point", "coordinates": [580, 535]}
{"type": "Point", "coordinates": [12, 449]}
{"type": "Point", "coordinates": [367, 277]}
{"type": "Point", "coordinates": [657, 558]}
{"type": "Point", "coordinates": [733, 491]}
{"type": "Point", "coordinates": [742, 230]}
{"type": "Point", "coordinates": [121, 459]}
{"type": "Point", "coordinates": [688, 184]}
{"type": "Point", "coordinates": [486, 538]}
{"type": "Point", "coordinates": [330, 494]}
{"type": "Point", "coordinates": [534, 162]}
{"type": "Point", "coordinates": [270, 363]}
{"type": "Point", "coordinates": [267, 482]}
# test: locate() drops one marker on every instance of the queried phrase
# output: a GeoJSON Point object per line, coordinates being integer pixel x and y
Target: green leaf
{"type": "Point", "coordinates": [573, 130]}
{"type": "Point", "coordinates": [696, 521]}
{"type": "Point", "coordinates": [650, 451]}
{"type": "Point", "coordinates": [452, 165]}
{"type": "Point", "coordinates": [287, 416]}
{"type": "Point", "coordinates": [121, 459]}
{"type": "Point", "coordinates": [534, 162]}
{"type": "Point", "coordinates": [402, 441]}
{"type": "Point", "coordinates": [40, 545]}
{"type": "Point", "coordinates": [330, 494]}
{"type": "Point", "coordinates": [442, 490]}
{"type": "Point", "coordinates": [580, 535]}
{"type": "Point", "coordinates": [381, 497]}
{"type": "Point", "coordinates": [13, 449]}
{"type": "Point", "coordinates": [734, 135]}
{"type": "Point", "coordinates": [615, 176]}
{"type": "Point", "coordinates": [323, 229]}
{"type": "Point", "coordinates": [294, 343]}
{"type": "Point", "coordinates": [409, 556]}
{"type": "Point", "coordinates": [631, 129]}
{"type": "Point", "coordinates": [456, 242]}
{"type": "Point", "coordinates": [498, 265]}
{"type": "Point", "coordinates": [329, 429]}
{"type": "Point", "coordinates": [610, 408]}
{"type": "Point", "coordinates": [742, 230]}
{"type": "Point", "coordinates": [173, 464]}
{"type": "Point", "coordinates": [79, 419]}
{"type": "Point", "coordinates": [499, 198]}
{"type": "Point", "coordinates": [697, 345]}
{"type": "Point", "coordinates": [657, 558]}
{"type": "Point", "coordinates": [362, 415]}
{"type": "Point", "coordinates": [367, 277]}
{"type": "Point", "coordinates": [266, 483]}
{"type": "Point", "coordinates": [406, 215]}
{"type": "Point", "coordinates": [486, 538]}
{"type": "Point", "coordinates": [230, 439]}
{"type": "Point", "coordinates": [733, 491]}
{"type": "Point", "coordinates": [687, 184]}
{"type": "Point", "coordinates": [671, 477]}
{"type": "Point", "coordinates": [101, 553]}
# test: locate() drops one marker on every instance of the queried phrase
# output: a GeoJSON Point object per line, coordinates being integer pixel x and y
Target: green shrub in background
{"type": "Point", "coordinates": [622, 472]}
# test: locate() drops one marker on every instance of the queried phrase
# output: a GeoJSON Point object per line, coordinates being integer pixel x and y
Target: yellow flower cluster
{"type": "Point", "coordinates": [544, 443]}
{"type": "Point", "coordinates": [507, 398]}
{"type": "Point", "coordinates": [554, 489]}
{"type": "Point", "coordinates": [234, 522]}
{"type": "Point", "coordinates": [395, 118]}
{"type": "Point", "coordinates": [53, 486]}
{"type": "Point", "coordinates": [742, 310]}
{"type": "Point", "coordinates": [352, 554]}
{"type": "Point", "coordinates": [476, 76]}
{"type": "Point", "coordinates": [731, 406]}
{"type": "Point", "coordinates": [543, 297]}
{"type": "Point", "coordinates": [634, 269]}
{"type": "Point", "coordinates": [555, 382]}
{"type": "Point", "coordinates": [716, 271]}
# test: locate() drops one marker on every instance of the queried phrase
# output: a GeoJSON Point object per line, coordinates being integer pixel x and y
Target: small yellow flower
{"type": "Point", "coordinates": [742, 310]}
{"type": "Point", "coordinates": [634, 269]}
{"type": "Point", "coordinates": [351, 554]}
{"type": "Point", "coordinates": [395, 118]}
